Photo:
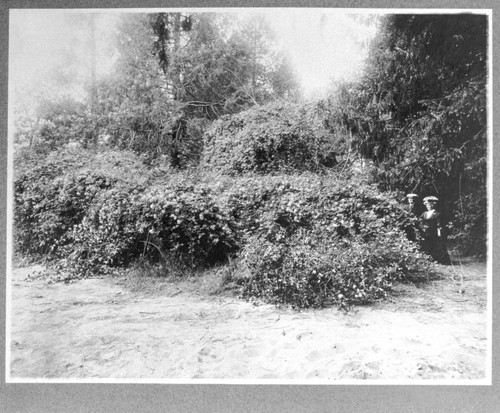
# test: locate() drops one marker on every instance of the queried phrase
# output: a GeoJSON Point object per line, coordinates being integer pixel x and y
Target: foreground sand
{"type": "Point", "coordinates": [99, 328]}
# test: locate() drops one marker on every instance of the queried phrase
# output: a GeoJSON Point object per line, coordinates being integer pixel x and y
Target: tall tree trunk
{"type": "Point", "coordinates": [176, 75]}
{"type": "Point", "coordinates": [93, 64]}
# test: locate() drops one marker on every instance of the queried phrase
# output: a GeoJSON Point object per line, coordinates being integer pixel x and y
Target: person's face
{"type": "Point", "coordinates": [429, 205]}
{"type": "Point", "coordinates": [411, 201]}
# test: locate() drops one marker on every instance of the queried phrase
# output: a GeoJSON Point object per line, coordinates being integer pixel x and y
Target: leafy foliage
{"type": "Point", "coordinates": [420, 111]}
{"type": "Point", "coordinates": [309, 272]}
{"type": "Point", "coordinates": [59, 123]}
{"type": "Point", "coordinates": [314, 241]}
{"type": "Point", "coordinates": [167, 88]}
{"type": "Point", "coordinates": [305, 240]}
{"type": "Point", "coordinates": [174, 74]}
{"type": "Point", "coordinates": [98, 211]}
{"type": "Point", "coordinates": [124, 226]}
{"type": "Point", "coordinates": [275, 137]}
{"type": "Point", "coordinates": [52, 196]}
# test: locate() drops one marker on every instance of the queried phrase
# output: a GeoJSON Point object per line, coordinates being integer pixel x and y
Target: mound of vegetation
{"type": "Point", "coordinates": [305, 240]}
{"type": "Point", "coordinates": [91, 212]}
{"type": "Point", "coordinates": [53, 193]}
{"type": "Point", "coordinates": [182, 223]}
{"type": "Point", "coordinates": [314, 241]}
{"type": "Point", "coordinates": [276, 137]}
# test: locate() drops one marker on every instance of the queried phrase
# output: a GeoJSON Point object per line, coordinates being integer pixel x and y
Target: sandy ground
{"type": "Point", "coordinates": [99, 328]}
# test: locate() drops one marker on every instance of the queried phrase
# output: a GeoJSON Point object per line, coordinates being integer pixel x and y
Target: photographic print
{"type": "Point", "coordinates": [249, 196]}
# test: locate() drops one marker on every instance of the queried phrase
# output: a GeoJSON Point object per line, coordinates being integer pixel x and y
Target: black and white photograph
{"type": "Point", "coordinates": [249, 196]}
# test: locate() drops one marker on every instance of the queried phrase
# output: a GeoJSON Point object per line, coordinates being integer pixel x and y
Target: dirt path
{"type": "Point", "coordinates": [98, 328]}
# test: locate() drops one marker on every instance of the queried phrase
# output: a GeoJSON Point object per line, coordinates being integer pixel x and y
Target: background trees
{"type": "Point", "coordinates": [173, 74]}
{"type": "Point", "coordinates": [178, 72]}
{"type": "Point", "coordinates": [420, 114]}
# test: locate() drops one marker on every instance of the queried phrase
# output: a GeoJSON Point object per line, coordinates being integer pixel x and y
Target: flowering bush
{"type": "Point", "coordinates": [153, 223]}
{"type": "Point", "coordinates": [306, 239]}
{"type": "Point", "coordinates": [48, 204]}
{"type": "Point", "coordinates": [314, 272]}
{"type": "Point", "coordinates": [311, 247]}
{"type": "Point", "coordinates": [276, 137]}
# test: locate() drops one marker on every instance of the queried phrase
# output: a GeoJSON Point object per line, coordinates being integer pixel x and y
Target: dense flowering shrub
{"type": "Point", "coordinates": [276, 137]}
{"type": "Point", "coordinates": [52, 194]}
{"type": "Point", "coordinates": [50, 197]}
{"type": "Point", "coordinates": [151, 223]}
{"type": "Point", "coordinates": [322, 203]}
{"type": "Point", "coordinates": [306, 270]}
{"type": "Point", "coordinates": [306, 239]}
{"type": "Point", "coordinates": [312, 241]}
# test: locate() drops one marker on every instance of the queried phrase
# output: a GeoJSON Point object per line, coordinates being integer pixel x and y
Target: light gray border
{"type": "Point", "coordinates": [238, 398]}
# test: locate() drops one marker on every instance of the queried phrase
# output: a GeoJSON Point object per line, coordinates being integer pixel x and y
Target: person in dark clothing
{"type": "Point", "coordinates": [411, 202]}
{"type": "Point", "coordinates": [410, 226]}
{"type": "Point", "coordinates": [432, 232]}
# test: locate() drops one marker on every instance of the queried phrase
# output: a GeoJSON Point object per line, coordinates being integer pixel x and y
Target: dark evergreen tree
{"type": "Point", "coordinates": [420, 114]}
